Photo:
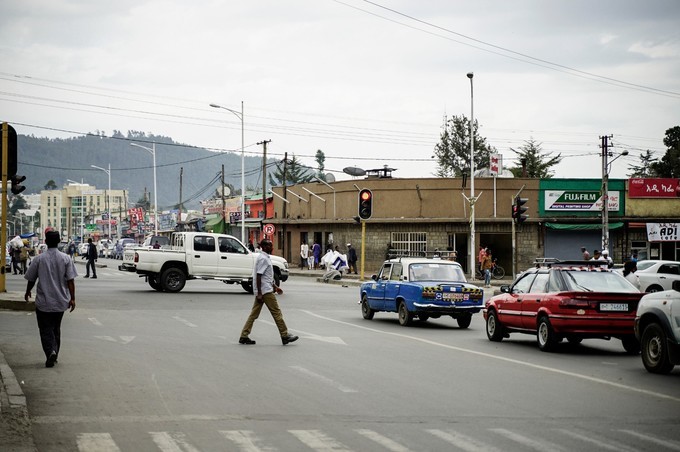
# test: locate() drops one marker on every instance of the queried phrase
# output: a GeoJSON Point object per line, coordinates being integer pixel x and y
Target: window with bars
{"type": "Point", "coordinates": [409, 243]}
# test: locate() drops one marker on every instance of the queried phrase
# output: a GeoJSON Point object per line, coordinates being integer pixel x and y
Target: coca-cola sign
{"type": "Point", "coordinates": [653, 188]}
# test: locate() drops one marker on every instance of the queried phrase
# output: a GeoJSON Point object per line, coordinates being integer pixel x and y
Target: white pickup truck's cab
{"type": "Point", "coordinates": [201, 255]}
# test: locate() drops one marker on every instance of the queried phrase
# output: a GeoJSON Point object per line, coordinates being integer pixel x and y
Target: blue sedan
{"type": "Point", "coordinates": [421, 288]}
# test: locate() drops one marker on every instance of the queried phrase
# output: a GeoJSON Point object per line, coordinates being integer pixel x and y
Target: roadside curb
{"type": "Point", "coordinates": [16, 433]}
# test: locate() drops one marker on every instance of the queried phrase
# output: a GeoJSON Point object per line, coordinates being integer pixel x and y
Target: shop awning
{"type": "Point", "coordinates": [582, 227]}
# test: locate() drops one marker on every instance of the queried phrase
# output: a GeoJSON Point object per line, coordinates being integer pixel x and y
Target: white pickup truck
{"type": "Point", "coordinates": [128, 257]}
{"type": "Point", "coordinates": [201, 255]}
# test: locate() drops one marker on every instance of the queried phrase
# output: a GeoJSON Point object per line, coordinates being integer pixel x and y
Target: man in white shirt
{"type": "Point", "coordinates": [265, 293]}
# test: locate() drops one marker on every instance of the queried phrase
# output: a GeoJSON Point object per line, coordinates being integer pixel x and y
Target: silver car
{"type": "Point", "coordinates": [657, 275]}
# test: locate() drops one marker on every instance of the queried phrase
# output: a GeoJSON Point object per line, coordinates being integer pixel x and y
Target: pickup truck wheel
{"type": "Point", "coordinates": [173, 280]}
{"type": "Point", "coordinates": [464, 320]}
{"type": "Point", "coordinates": [155, 285]}
{"type": "Point", "coordinates": [248, 287]}
{"type": "Point", "coordinates": [405, 317]}
{"type": "Point", "coordinates": [366, 310]}
{"type": "Point", "coordinates": [655, 350]}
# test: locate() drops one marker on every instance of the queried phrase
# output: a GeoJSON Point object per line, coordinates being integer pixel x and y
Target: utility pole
{"type": "Point", "coordinates": [224, 213]}
{"type": "Point", "coordinates": [181, 172]}
{"type": "Point", "coordinates": [264, 177]}
{"type": "Point", "coordinates": [605, 192]}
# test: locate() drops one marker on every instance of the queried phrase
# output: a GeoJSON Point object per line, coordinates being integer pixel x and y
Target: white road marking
{"type": "Point", "coordinates": [316, 337]}
{"type": "Point", "coordinates": [606, 445]}
{"type": "Point", "coordinates": [184, 321]}
{"type": "Point", "coordinates": [96, 442]}
{"type": "Point", "coordinates": [673, 445]}
{"type": "Point", "coordinates": [461, 441]}
{"type": "Point", "coordinates": [542, 446]}
{"type": "Point", "coordinates": [324, 379]}
{"type": "Point", "coordinates": [384, 441]}
{"type": "Point", "coordinates": [509, 360]}
{"type": "Point", "coordinates": [94, 321]}
{"type": "Point", "coordinates": [319, 441]}
{"type": "Point", "coordinates": [172, 442]}
{"type": "Point", "coordinates": [123, 339]}
{"type": "Point", "coordinates": [246, 441]}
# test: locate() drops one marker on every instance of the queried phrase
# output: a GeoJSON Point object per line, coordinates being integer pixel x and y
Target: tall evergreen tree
{"type": "Point", "coordinates": [645, 169]}
{"type": "Point", "coordinates": [295, 173]}
{"type": "Point", "coordinates": [320, 164]}
{"type": "Point", "coordinates": [538, 164]}
{"type": "Point", "coordinates": [669, 165]}
{"type": "Point", "coordinates": [453, 150]}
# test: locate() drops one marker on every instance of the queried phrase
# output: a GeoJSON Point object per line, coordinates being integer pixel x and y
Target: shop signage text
{"type": "Point", "coordinates": [579, 200]}
{"type": "Point", "coordinates": [663, 232]}
{"type": "Point", "coordinates": [653, 188]}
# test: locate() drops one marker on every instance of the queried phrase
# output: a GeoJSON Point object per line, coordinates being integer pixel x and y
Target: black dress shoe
{"type": "Point", "coordinates": [51, 360]}
{"type": "Point", "coordinates": [94, 277]}
{"type": "Point", "coordinates": [288, 339]}
{"type": "Point", "coordinates": [246, 341]}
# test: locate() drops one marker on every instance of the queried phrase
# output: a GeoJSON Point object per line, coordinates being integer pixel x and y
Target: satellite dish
{"type": "Point", "coordinates": [330, 178]}
{"type": "Point", "coordinates": [354, 171]}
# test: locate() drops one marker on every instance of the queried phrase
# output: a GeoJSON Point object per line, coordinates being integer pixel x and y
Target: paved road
{"type": "Point", "coordinates": [142, 370]}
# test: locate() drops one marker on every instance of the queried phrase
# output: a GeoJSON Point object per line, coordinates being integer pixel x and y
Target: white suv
{"type": "Point", "coordinates": [657, 326]}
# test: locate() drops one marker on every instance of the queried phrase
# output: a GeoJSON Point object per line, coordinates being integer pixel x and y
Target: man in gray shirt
{"type": "Point", "coordinates": [56, 293]}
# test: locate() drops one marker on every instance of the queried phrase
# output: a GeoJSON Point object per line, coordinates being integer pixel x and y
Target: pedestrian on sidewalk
{"type": "Point", "coordinates": [55, 273]}
{"type": "Point", "coordinates": [304, 256]}
{"type": "Point", "coordinates": [265, 294]}
{"type": "Point", "coordinates": [91, 257]}
{"type": "Point", "coordinates": [352, 259]}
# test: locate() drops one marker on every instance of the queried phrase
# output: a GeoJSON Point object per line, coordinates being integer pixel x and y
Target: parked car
{"type": "Point", "coordinates": [657, 275]}
{"type": "Point", "coordinates": [657, 328]}
{"type": "Point", "coordinates": [421, 288]}
{"type": "Point", "coordinates": [575, 300]}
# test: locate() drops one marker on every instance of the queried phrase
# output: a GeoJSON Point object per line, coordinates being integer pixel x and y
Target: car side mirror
{"type": "Point", "coordinates": [374, 277]}
{"type": "Point", "coordinates": [505, 289]}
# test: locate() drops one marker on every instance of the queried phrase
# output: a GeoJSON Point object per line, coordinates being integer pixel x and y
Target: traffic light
{"type": "Point", "coordinates": [16, 184]}
{"type": "Point", "coordinates": [365, 204]}
{"type": "Point", "coordinates": [518, 210]}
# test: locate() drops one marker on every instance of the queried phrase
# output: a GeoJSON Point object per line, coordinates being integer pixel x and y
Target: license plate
{"type": "Point", "coordinates": [452, 296]}
{"type": "Point", "coordinates": [614, 307]}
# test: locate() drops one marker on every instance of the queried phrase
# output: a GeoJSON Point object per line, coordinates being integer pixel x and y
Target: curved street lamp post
{"type": "Point", "coordinates": [108, 195]}
{"type": "Point", "coordinates": [152, 150]}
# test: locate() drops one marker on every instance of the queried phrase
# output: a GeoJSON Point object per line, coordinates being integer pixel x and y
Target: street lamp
{"type": "Point", "coordinates": [243, 178]}
{"type": "Point", "coordinates": [152, 150]}
{"type": "Point", "coordinates": [606, 167]}
{"type": "Point", "coordinates": [108, 172]}
{"type": "Point", "coordinates": [472, 180]}
{"type": "Point", "coordinates": [82, 207]}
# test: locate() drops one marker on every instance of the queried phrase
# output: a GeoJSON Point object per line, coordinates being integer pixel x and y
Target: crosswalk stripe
{"type": "Point", "coordinates": [673, 445]}
{"type": "Point", "coordinates": [461, 441]}
{"type": "Point", "coordinates": [172, 442]}
{"type": "Point", "coordinates": [319, 441]}
{"type": "Point", "coordinates": [384, 441]}
{"type": "Point", "coordinates": [246, 441]}
{"type": "Point", "coordinates": [525, 441]}
{"type": "Point", "coordinates": [607, 445]}
{"type": "Point", "coordinates": [96, 442]}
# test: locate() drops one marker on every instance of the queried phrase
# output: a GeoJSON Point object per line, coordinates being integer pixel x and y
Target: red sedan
{"type": "Point", "coordinates": [570, 300]}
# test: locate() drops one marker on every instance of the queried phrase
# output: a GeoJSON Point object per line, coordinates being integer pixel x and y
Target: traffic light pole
{"type": "Point", "coordinates": [514, 235]}
{"type": "Point", "coordinates": [3, 236]}
{"type": "Point", "coordinates": [363, 248]}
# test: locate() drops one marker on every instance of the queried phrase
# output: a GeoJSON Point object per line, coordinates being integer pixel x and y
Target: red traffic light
{"type": "Point", "coordinates": [365, 204]}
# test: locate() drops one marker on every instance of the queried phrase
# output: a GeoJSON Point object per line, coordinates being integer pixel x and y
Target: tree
{"type": "Point", "coordinates": [645, 167]}
{"type": "Point", "coordinates": [669, 166]}
{"type": "Point", "coordinates": [453, 150]}
{"type": "Point", "coordinates": [295, 173]}
{"type": "Point", "coordinates": [320, 164]}
{"type": "Point", "coordinates": [538, 164]}
{"type": "Point", "coordinates": [50, 185]}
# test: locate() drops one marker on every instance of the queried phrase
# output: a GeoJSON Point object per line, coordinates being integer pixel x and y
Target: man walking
{"type": "Point", "coordinates": [56, 293]}
{"type": "Point", "coordinates": [265, 293]}
{"type": "Point", "coordinates": [91, 257]}
{"type": "Point", "coordinates": [352, 258]}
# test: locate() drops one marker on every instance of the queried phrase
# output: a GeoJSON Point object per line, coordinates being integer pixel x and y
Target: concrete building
{"type": "Point", "coordinates": [81, 209]}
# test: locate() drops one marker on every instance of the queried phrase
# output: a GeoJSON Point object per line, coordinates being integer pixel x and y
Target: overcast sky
{"type": "Point", "coordinates": [367, 83]}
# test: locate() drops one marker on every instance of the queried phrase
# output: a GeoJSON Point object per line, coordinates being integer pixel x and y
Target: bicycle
{"type": "Point", "coordinates": [497, 272]}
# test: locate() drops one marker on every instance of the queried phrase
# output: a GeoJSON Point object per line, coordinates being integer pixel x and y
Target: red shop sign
{"type": "Point", "coordinates": [653, 188]}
